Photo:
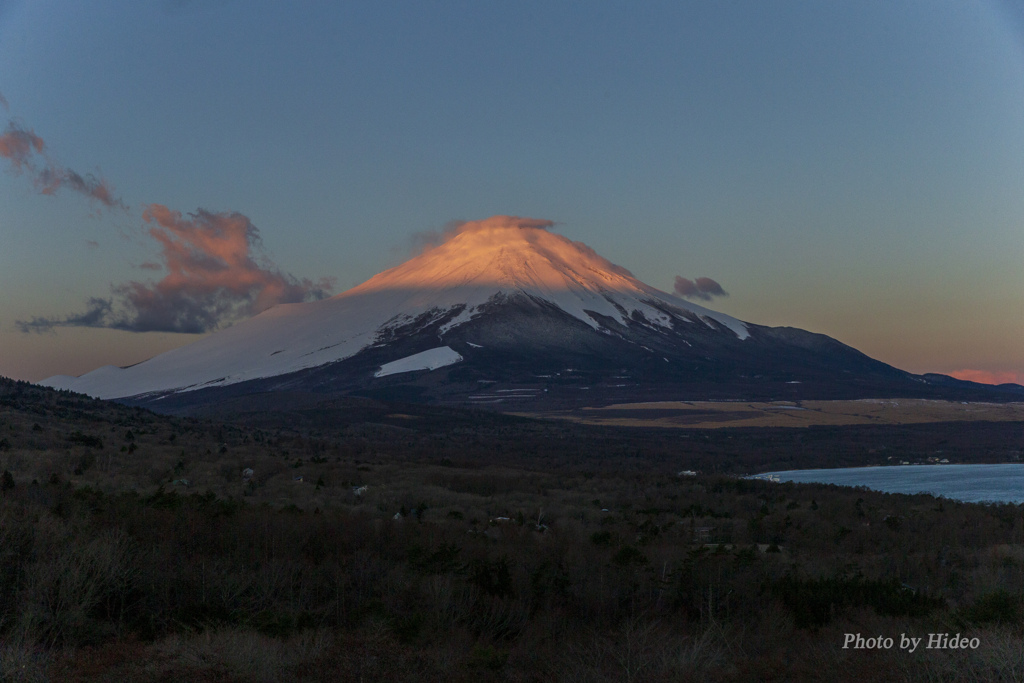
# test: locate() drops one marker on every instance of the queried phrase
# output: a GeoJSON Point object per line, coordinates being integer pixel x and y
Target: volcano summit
{"type": "Point", "coordinates": [505, 312]}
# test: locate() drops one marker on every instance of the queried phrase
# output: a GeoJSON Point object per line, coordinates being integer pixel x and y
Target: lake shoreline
{"type": "Point", "coordinates": [970, 483]}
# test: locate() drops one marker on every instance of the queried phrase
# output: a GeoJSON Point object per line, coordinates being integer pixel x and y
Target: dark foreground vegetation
{"type": "Point", "coordinates": [133, 548]}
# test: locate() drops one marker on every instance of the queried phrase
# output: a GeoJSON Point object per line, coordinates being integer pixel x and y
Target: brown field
{"type": "Point", "coordinates": [715, 414]}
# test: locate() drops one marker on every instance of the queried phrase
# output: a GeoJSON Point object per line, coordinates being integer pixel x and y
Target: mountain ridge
{"type": "Point", "coordinates": [500, 311]}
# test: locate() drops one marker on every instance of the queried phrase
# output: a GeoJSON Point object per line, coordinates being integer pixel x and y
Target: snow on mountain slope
{"type": "Point", "coordinates": [502, 254]}
{"type": "Point", "coordinates": [431, 359]}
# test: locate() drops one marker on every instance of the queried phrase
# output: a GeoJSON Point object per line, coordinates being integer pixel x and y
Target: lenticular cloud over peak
{"type": "Point", "coordinates": [504, 223]}
{"type": "Point", "coordinates": [428, 239]}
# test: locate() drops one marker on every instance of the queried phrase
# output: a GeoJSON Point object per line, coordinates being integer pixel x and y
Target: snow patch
{"type": "Point", "coordinates": [431, 359]}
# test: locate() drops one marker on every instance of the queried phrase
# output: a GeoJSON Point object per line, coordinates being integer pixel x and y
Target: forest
{"type": "Point", "coordinates": [365, 540]}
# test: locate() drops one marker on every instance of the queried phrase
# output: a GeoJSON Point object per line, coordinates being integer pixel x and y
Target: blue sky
{"type": "Point", "coordinates": [852, 168]}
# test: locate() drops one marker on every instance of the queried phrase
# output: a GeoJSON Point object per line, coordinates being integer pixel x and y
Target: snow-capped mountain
{"type": "Point", "coordinates": [502, 305]}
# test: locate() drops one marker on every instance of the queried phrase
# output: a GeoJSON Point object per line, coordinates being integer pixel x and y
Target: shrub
{"type": "Point", "coordinates": [1000, 607]}
{"type": "Point", "coordinates": [815, 602]}
{"type": "Point", "coordinates": [85, 439]}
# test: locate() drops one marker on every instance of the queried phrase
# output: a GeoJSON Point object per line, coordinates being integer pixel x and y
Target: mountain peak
{"type": "Point", "coordinates": [511, 255]}
{"type": "Point", "coordinates": [479, 264]}
{"type": "Point", "coordinates": [508, 251]}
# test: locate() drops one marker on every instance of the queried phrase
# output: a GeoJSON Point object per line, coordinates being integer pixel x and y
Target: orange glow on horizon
{"type": "Point", "coordinates": [988, 377]}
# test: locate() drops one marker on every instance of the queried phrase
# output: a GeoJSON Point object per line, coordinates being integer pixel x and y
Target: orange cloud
{"type": "Point", "coordinates": [988, 377]}
{"type": "Point", "coordinates": [209, 257]}
{"type": "Point", "coordinates": [214, 275]}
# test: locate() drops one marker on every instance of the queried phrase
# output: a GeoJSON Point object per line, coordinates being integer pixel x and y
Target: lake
{"type": "Point", "coordinates": [970, 483]}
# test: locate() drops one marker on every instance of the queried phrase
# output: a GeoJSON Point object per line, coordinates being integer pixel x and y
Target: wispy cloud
{"type": "Point", "coordinates": [703, 288]}
{"type": "Point", "coordinates": [51, 178]}
{"type": "Point", "coordinates": [990, 377]}
{"type": "Point", "coordinates": [214, 274]}
{"type": "Point", "coordinates": [98, 313]}
{"type": "Point", "coordinates": [26, 152]}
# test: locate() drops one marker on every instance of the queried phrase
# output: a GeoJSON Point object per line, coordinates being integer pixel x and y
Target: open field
{"type": "Point", "coordinates": [715, 414]}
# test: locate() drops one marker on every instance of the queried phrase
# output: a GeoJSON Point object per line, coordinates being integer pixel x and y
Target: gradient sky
{"type": "Point", "coordinates": [851, 168]}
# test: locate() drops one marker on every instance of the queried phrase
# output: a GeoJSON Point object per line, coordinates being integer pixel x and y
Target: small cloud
{"type": "Point", "coordinates": [214, 276]}
{"type": "Point", "coordinates": [19, 145]}
{"type": "Point", "coordinates": [3, 103]}
{"type": "Point", "coordinates": [26, 151]}
{"type": "Point", "coordinates": [703, 288]}
{"type": "Point", "coordinates": [92, 244]}
{"type": "Point", "coordinates": [990, 377]}
{"type": "Point", "coordinates": [52, 178]}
